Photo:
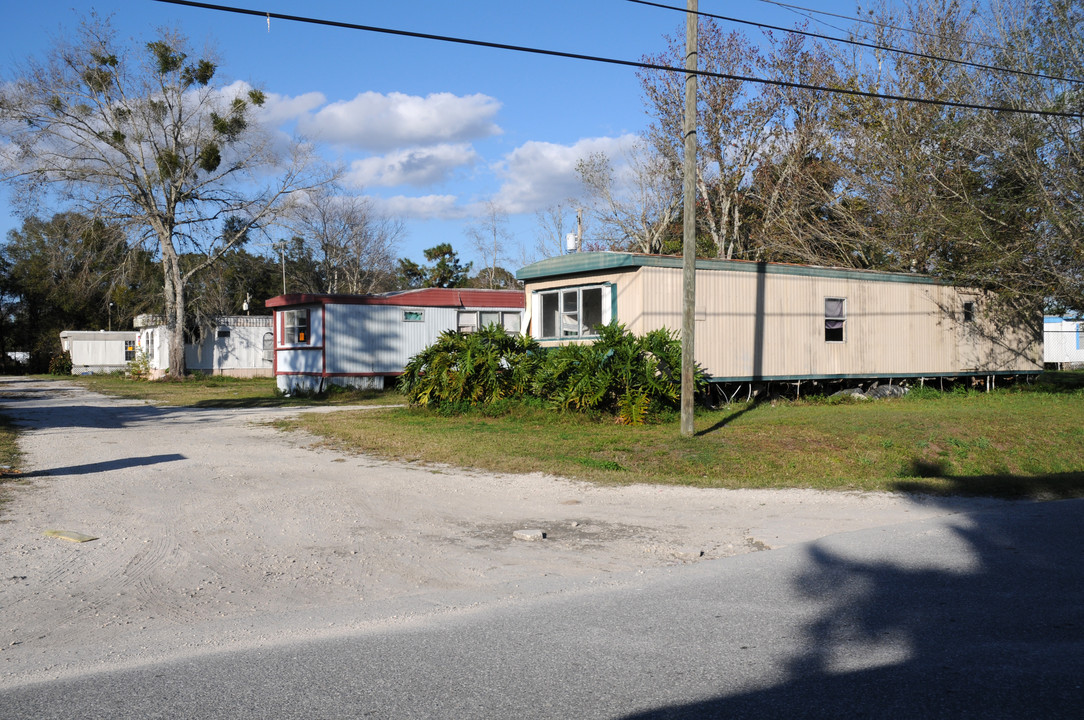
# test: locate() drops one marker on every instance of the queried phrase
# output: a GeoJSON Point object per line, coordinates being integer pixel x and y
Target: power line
{"type": "Point", "coordinates": [805, 12]}
{"type": "Point", "coordinates": [612, 61]}
{"type": "Point", "coordinates": [873, 46]}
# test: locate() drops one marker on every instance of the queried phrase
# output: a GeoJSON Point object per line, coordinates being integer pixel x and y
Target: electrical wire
{"type": "Point", "coordinates": [885, 26]}
{"type": "Point", "coordinates": [614, 61]}
{"type": "Point", "coordinates": [873, 46]}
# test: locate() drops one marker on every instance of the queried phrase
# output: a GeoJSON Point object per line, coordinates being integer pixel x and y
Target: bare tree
{"type": "Point", "coordinates": [149, 137]}
{"type": "Point", "coordinates": [554, 224]}
{"type": "Point", "coordinates": [352, 244]}
{"type": "Point", "coordinates": [490, 237]}
{"type": "Point", "coordinates": [736, 122]}
{"type": "Point", "coordinates": [633, 211]}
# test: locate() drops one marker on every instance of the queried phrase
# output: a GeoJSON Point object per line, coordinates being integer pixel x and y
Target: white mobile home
{"type": "Point", "coordinates": [1063, 341]}
{"type": "Point", "coordinates": [98, 351]}
{"type": "Point", "coordinates": [359, 340]}
{"type": "Point", "coordinates": [760, 321]}
{"type": "Point", "coordinates": [237, 346]}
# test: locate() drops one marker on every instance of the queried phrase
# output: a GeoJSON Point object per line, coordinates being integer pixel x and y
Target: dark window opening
{"type": "Point", "coordinates": [835, 319]}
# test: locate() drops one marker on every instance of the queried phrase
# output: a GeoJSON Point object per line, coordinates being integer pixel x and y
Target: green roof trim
{"type": "Point", "coordinates": [594, 262]}
{"type": "Point", "coordinates": [871, 376]}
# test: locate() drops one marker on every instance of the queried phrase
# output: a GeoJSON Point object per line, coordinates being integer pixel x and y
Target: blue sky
{"type": "Point", "coordinates": [431, 131]}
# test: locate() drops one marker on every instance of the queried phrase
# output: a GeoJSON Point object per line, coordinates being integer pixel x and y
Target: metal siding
{"type": "Point", "coordinates": [375, 339]}
{"type": "Point", "coordinates": [893, 327]}
{"type": "Point", "coordinates": [300, 360]}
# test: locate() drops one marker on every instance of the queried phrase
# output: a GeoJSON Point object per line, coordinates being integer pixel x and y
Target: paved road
{"type": "Point", "coordinates": [978, 616]}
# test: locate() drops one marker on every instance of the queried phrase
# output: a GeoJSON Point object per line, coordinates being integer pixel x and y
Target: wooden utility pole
{"type": "Point", "coordinates": [688, 238]}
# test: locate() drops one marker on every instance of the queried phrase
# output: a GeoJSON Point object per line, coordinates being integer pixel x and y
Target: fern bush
{"type": "Point", "coordinates": [632, 378]}
{"type": "Point", "coordinates": [473, 369]}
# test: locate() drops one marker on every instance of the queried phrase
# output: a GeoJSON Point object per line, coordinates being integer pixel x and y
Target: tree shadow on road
{"type": "Point", "coordinates": [998, 634]}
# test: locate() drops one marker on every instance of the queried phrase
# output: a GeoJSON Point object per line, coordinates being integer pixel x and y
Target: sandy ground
{"type": "Point", "coordinates": [216, 531]}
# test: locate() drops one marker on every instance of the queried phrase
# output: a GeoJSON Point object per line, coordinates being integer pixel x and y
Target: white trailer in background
{"type": "Point", "coordinates": [237, 345]}
{"type": "Point", "coordinates": [1063, 341]}
{"type": "Point", "coordinates": [98, 351]}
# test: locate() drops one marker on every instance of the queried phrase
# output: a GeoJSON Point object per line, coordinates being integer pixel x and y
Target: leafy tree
{"type": "Point", "coordinates": [151, 137]}
{"type": "Point", "coordinates": [445, 270]}
{"type": "Point", "coordinates": [1037, 162]}
{"type": "Point", "coordinates": [70, 273]}
{"type": "Point", "coordinates": [238, 277]}
{"type": "Point", "coordinates": [498, 278]}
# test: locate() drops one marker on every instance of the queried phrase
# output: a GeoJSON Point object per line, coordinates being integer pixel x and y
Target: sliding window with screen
{"type": "Point", "coordinates": [572, 312]}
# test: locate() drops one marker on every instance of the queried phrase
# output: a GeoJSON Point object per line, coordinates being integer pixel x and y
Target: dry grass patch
{"type": "Point", "coordinates": [221, 391]}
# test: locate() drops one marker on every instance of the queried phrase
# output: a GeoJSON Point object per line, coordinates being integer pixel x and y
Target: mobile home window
{"type": "Point", "coordinates": [571, 312]}
{"type": "Point", "coordinates": [466, 322]}
{"type": "Point", "coordinates": [129, 350]}
{"type": "Point", "coordinates": [969, 311]}
{"type": "Point", "coordinates": [413, 316]}
{"type": "Point", "coordinates": [296, 327]}
{"type": "Point", "coordinates": [469, 321]}
{"type": "Point", "coordinates": [835, 318]}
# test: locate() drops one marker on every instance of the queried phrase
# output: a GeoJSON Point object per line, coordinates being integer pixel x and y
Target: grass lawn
{"type": "Point", "coordinates": [1019, 442]}
{"type": "Point", "coordinates": [1004, 444]}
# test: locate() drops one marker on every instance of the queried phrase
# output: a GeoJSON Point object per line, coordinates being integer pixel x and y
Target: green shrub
{"type": "Point", "coordinates": [465, 370]}
{"type": "Point", "coordinates": [140, 367]}
{"type": "Point", "coordinates": [61, 364]}
{"type": "Point", "coordinates": [634, 378]}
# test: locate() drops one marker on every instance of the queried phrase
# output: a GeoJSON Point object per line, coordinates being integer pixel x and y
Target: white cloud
{"type": "Point", "coordinates": [426, 207]}
{"type": "Point", "coordinates": [538, 174]}
{"type": "Point", "coordinates": [379, 122]}
{"type": "Point", "coordinates": [415, 166]}
{"type": "Point", "coordinates": [277, 110]}
{"type": "Point", "coordinates": [280, 109]}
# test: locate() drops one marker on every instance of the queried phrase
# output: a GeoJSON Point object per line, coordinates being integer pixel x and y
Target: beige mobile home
{"type": "Point", "coordinates": [766, 322]}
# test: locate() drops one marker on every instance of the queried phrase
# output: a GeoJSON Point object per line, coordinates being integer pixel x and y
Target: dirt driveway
{"type": "Point", "coordinates": [214, 530]}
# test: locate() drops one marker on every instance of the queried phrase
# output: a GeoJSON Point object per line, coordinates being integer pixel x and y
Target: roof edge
{"type": "Point", "coordinates": [591, 262]}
